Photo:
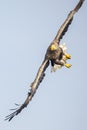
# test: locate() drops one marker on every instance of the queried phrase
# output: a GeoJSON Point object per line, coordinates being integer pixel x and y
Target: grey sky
{"type": "Point", "coordinates": [26, 29]}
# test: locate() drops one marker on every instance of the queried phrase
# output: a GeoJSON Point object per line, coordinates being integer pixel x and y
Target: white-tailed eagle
{"type": "Point", "coordinates": [56, 55]}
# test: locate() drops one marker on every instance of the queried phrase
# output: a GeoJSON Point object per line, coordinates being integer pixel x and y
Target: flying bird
{"type": "Point", "coordinates": [56, 55]}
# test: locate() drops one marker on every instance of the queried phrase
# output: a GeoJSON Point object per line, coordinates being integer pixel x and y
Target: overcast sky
{"type": "Point", "coordinates": [27, 27]}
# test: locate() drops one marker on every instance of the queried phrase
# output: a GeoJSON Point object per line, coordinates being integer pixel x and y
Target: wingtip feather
{"type": "Point", "coordinates": [78, 6]}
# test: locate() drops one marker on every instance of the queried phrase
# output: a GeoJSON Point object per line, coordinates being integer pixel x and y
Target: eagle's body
{"type": "Point", "coordinates": [56, 54]}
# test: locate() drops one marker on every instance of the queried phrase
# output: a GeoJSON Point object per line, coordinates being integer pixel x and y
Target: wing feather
{"type": "Point", "coordinates": [39, 77]}
{"type": "Point", "coordinates": [63, 29]}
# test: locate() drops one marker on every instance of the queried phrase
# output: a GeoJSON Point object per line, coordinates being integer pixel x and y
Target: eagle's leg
{"type": "Point", "coordinates": [56, 64]}
{"type": "Point", "coordinates": [62, 62]}
{"type": "Point", "coordinates": [59, 62]}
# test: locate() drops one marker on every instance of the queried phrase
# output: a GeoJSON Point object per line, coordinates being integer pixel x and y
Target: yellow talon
{"type": "Point", "coordinates": [68, 56]}
{"type": "Point", "coordinates": [68, 65]}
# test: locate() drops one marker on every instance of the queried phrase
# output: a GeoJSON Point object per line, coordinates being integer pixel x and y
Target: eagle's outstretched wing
{"type": "Point", "coordinates": [63, 29]}
{"type": "Point", "coordinates": [39, 77]}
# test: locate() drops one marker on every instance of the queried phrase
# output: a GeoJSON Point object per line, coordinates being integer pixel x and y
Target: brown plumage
{"type": "Point", "coordinates": [54, 56]}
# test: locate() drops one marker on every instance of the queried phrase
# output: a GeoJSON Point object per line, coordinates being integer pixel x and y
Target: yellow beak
{"type": "Point", "coordinates": [53, 48]}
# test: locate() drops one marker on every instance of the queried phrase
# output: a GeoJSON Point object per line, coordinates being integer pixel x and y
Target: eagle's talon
{"type": "Point", "coordinates": [68, 56]}
{"type": "Point", "coordinates": [67, 65]}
